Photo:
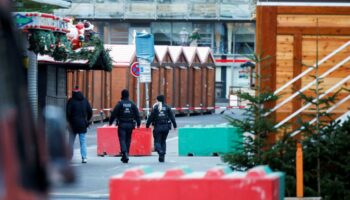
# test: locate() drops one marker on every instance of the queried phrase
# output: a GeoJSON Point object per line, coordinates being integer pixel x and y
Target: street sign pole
{"type": "Point", "coordinates": [135, 71]}
{"type": "Point", "coordinates": [145, 55]}
{"type": "Point", "coordinates": [138, 92]}
{"type": "Point", "coordinates": [147, 99]}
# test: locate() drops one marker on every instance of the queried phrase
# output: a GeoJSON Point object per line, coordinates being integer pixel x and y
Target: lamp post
{"type": "Point", "coordinates": [183, 36]}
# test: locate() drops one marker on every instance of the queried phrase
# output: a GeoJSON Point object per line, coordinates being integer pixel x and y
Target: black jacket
{"type": "Point", "coordinates": [79, 112]}
{"type": "Point", "coordinates": [154, 119]}
{"type": "Point", "coordinates": [118, 115]}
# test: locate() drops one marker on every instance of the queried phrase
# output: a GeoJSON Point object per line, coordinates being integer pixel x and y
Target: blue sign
{"type": "Point", "coordinates": [22, 20]}
{"type": "Point", "coordinates": [145, 46]}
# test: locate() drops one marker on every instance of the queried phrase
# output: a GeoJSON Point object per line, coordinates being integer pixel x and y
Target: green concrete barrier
{"type": "Point", "coordinates": [208, 140]}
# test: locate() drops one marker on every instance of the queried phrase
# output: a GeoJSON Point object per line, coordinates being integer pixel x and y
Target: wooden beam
{"type": "Point", "coordinates": [297, 69]}
{"type": "Point", "coordinates": [320, 10]}
{"type": "Point", "coordinates": [313, 30]}
{"type": "Point", "coordinates": [266, 45]}
{"type": "Point", "coordinates": [266, 42]}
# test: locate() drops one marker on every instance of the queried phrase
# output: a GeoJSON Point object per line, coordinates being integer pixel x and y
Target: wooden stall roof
{"type": "Point", "coordinates": [122, 55]}
{"type": "Point", "coordinates": [78, 64]}
{"type": "Point", "coordinates": [125, 55]}
{"type": "Point", "coordinates": [175, 52]}
{"type": "Point", "coordinates": [160, 52]}
{"type": "Point", "coordinates": [206, 56]}
{"type": "Point", "coordinates": [190, 54]}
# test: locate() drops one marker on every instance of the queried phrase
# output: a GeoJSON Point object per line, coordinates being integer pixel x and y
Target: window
{"type": "Point", "coordinates": [119, 33]}
{"type": "Point", "coordinates": [244, 38]}
{"type": "Point", "coordinates": [161, 32]}
{"type": "Point", "coordinates": [180, 27]}
{"type": "Point", "coordinates": [205, 33]}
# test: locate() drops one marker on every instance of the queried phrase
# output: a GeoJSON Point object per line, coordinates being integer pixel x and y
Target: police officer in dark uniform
{"type": "Point", "coordinates": [126, 114]}
{"type": "Point", "coordinates": [161, 117]}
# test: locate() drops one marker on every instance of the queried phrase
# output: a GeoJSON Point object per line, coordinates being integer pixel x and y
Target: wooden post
{"type": "Point", "coordinates": [299, 171]}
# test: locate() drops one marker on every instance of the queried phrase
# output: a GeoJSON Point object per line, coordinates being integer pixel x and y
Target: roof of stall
{"type": "Point", "coordinates": [161, 52]}
{"type": "Point", "coordinates": [122, 55]}
{"type": "Point", "coordinates": [205, 55]}
{"type": "Point", "coordinates": [175, 52]}
{"type": "Point", "coordinates": [190, 54]}
{"type": "Point", "coordinates": [125, 55]}
{"type": "Point", "coordinates": [98, 64]}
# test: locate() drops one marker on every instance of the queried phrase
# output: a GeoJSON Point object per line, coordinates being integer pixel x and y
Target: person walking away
{"type": "Point", "coordinates": [79, 113]}
{"type": "Point", "coordinates": [126, 114]}
{"type": "Point", "coordinates": [161, 117]}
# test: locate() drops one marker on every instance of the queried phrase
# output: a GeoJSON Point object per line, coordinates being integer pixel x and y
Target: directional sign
{"type": "Point", "coordinates": [135, 70]}
{"type": "Point", "coordinates": [22, 20]}
{"type": "Point", "coordinates": [145, 70]}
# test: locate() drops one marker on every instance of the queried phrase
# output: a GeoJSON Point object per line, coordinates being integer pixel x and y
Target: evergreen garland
{"type": "Point", "coordinates": [41, 41]}
{"type": "Point", "coordinates": [57, 45]}
{"type": "Point", "coordinates": [63, 47]}
{"type": "Point", "coordinates": [97, 56]}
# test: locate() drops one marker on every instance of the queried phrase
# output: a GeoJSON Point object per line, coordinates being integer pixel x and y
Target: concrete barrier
{"type": "Point", "coordinates": [208, 140]}
{"type": "Point", "coordinates": [219, 183]}
{"type": "Point", "coordinates": [108, 141]}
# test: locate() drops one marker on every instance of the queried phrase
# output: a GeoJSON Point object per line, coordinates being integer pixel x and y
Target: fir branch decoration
{"type": "Point", "coordinates": [95, 53]}
{"type": "Point", "coordinates": [63, 47]}
{"type": "Point", "coordinates": [41, 42]}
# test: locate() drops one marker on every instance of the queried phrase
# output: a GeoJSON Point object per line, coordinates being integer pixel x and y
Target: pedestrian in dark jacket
{"type": "Point", "coordinates": [126, 115]}
{"type": "Point", "coordinates": [79, 113]}
{"type": "Point", "coordinates": [161, 117]}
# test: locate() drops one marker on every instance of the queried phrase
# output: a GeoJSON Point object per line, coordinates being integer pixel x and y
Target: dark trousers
{"type": "Point", "coordinates": [160, 134]}
{"type": "Point", "coordinates": [124, 134]}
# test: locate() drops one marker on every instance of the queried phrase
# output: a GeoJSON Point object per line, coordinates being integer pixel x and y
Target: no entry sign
{"type": "Point", "coordinates": [135, 69]}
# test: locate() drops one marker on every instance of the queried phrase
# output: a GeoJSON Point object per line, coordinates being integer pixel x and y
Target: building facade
{"type": "Point", "coordinates": [226, 26]}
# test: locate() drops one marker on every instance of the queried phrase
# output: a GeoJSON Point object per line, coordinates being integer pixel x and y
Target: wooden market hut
{"type": "Point", "coordinates": [160, 73]}
{"type": "Point", "coordinates": [173, 76]}
{"type": "Point", "coordinates": [208, 70]}
{"type": "Point", "coordinates": [180, 82]}
{"type": "Point", "coordinates": [194, 77]}
{"type": "Point", "coordinates": [57, 78]}
{"type": "Point", "coordinates": [299, 35]}
{"type": "Point", "coordinates": [170, 76]}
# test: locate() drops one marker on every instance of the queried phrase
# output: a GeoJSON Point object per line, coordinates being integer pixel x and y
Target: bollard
{"type": "Point", "coordinates": [102, 116]}
{"type": "Point", "coordinates": [188, 110]}
{"type": "Point", "coordinates": [299, 168]}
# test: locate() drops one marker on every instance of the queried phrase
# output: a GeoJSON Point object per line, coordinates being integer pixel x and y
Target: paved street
{"type": "Point", "coordinates": [92, 178]}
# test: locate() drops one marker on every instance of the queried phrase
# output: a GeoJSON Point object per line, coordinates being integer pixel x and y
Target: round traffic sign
{"type": "Point", "coordinates": [135, 69]}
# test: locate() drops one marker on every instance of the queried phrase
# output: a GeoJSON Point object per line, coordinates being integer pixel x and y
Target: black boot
{"type": "Point", "coordinates": [125, 158]}
{"type": "Point", "coordinates": [161, 158]}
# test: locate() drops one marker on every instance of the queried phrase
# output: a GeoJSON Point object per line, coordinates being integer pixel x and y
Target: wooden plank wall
{"type": "Point", "coordinates": [290, 36]}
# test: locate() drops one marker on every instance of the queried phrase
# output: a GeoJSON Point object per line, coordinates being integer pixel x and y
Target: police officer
{"type": "Point", "coordinates": [161, 117]}
{"type": "Point", "coordinates": [126, 114]}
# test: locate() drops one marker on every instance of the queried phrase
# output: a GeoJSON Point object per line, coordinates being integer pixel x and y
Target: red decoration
{"type": "Point", "coordinates": [76, 35]}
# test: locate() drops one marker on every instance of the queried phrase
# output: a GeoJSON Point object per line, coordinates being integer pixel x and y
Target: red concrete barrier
{"type": "Point", "coordinates": [199, 185]}
{"type": "Point", "coordinates": [258, 184]}
{"type": "Point", "coordinates": [136, 184]}
{"type": "Point", "coordinates": [141, 142]}
{"type": "Point", "coordinates": [108, 141]}
{"type": "Point", "coordinates": [180, 184]}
